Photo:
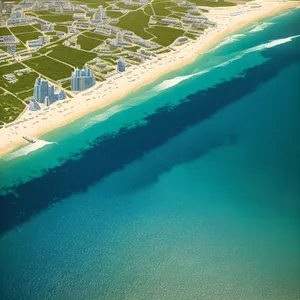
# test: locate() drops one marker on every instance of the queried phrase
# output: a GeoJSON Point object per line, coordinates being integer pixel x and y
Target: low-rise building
{"type": "Point", "coordinates": [79, 16]}
{"type": "Point", "coordinates": [170, 21]}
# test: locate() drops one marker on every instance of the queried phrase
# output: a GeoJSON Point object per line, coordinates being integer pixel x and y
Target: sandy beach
{"type": "Point", "coordinates": [35, 124]}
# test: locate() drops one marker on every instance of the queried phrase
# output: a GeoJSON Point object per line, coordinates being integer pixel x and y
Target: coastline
{"type": "Point", "coordinates": [35, 124]}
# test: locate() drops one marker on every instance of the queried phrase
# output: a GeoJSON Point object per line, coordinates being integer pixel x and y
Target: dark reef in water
{"type": "Point", "coordinates": [110, 153]}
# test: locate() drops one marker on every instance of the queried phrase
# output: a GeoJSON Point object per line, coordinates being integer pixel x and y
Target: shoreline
{"type": "Point", "coordinates": [103, 94]}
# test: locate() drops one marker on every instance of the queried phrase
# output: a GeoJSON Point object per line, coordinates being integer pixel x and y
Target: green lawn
{"type": "Point", "coordinates": [74, 57]}
{"type": "Point", "coordinates": [179, 9]}
{"type": "Point", "coordinates": [26, 94]}
{"type": "Point", "coordinates": [61, 28]}
{"type": "Point", "coordinates": [9, 69]}
{"type": "Point", "coordinates": [160, 8]}
{"type": "Point", "coordinates": [133, 48]}
{"type": "Point", "coordinates": [87, 43]}
{"type": "Point", "coordinates": [4, 31]}
{"type": "Point", "coordinates": [135, 21]}
{"type": "Point", "coordinates": [66, 85]}
{"type": "Point", "coordinates": [92, 3]}
{"type": "Point", "coordinates": [44, 12]}
{"type": "Point", "coordinates": [49, 67]}
{"type": "Point", "coordinates": [20, 47]}
{"type": "Point", "coordinates": [15, 1]}
{"type": "Point", "coordinates": [10, 108]}
{"type": "Point", "coordinates": [191, 36]}
{"type": "Point", "coordinates": [114, 14]}
{"type": "Point", "coordinates": [28, 36]}
{"type": "Point", "coordinates": [129, 7]}
{"type": "Point", "coordinates": [96, 35]}
{"type": "Point", "coordinates": [22, 29]}
{"type": "Point", "coordinates": [37, 26]}
{"type": "Point", "coordinates": [50, 33]}
{"type": "Point", "coordinates": [57, 18]}
{"type": "Point", "coordinates": [109, 59]}
{"type": "Point", "coordinates": [25, 82]}
{"type": "Point", "coordinates": [148, 10]}
{"type": "Point", "coordinates": [165, 35]}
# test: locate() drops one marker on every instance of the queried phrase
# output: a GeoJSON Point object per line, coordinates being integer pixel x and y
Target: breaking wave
{"type": "Point", "coordinates": [27, 149]}
{"type": "Point", "coordinates": [172, 82]}
{"type": "Point", "coordinates": [260, 27]}
{"type": "Point", "coordinates": [271, 44]}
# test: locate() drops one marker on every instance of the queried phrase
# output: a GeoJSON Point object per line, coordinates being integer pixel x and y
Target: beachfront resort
{"type": "Point", "coordinates": [89, 53]}
{"type": "Point", "coordinates": [49, 38]}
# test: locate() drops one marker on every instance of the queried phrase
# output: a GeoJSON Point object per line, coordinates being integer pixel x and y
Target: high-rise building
{"type": "Point", "coordinates": [82, 79]}
{"type": "Point", "coordinates": [43, 90]}
{"type": "Point", "coordinates": [51, 92]}
{"type": "Point", "coordinates": [121, 65]}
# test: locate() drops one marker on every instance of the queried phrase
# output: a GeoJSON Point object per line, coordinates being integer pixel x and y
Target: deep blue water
{"type": "Point", "coordinates": [186, 189]}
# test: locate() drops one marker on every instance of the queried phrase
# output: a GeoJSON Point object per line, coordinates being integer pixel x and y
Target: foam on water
{"type": "Point", "coordinates": [271, 44]}
{"type": "Point", "coordinates": [229, 40]}
{"type": "Point", "coordinates": [260, 27]}
{"type": "Point", "coordinates": [172, 82]}
{"type": "Point", "coordinates": [27, 149]}
{"type": "Point", "coordinates": [117, 109]}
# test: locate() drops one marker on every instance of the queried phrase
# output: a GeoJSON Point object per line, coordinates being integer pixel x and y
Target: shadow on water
{"type": "Point", "coordinates": [112, 152]}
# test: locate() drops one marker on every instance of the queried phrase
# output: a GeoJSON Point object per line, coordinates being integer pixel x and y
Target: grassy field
{"type": "Point", "coordinates": [148, 10]}
{"type": "Point", "coordinates": [49, 67]}
{"type": "Point", "coordinates": [10, 108]}
{"type": "Point", "coordinates": [50, 33]}
{"type": "Point", "coordinates": [22, 29]}
{"type": "Point", "coordinates": [37, 26]}
{"type": "Point", "coordinates": [160, 8]}
{"type": "Point", "coordinates": [66, 85]}
{"type": "Point", "coordinates": [165, 35]}
{"type": "Point", "coordinates": [61, 28]}
{"type": "Point", "coordinates": [9, 69]}
{"type": "Point", "coordinates": [4, 31]}
{"type": "Point", "coordinates": [26, 94]}
{"type": "Point", "coordinates": [92, 3]}
{"type": "Point", "coordinates": [24, 82]}
{"type": "Point", "coordinates": [179, 9]}
{"type": "Point", "coordinates": [109, 59]}
{"type": "Point", "coordinates": [28, 36]}
{"type": "Point", "coordinates": [54, 39]}
{"type": "Point", "coordinates": [114, 14]}
{"type": "Point", "coordinates": [87, 43]}
{"type": "Point", "coordinates": [96, 35]}
{"type": "Point", "coordinates": [56, 18]}
{"type": "Point", "coordinates": [191, 36]}
{"type": "Point", "coordinates": [15, 1]}
{"type": "Point", "coordinates": [74, 57]}
{"type": "Point", "coordinates": [135, 21]}
{"type": "Point", "coordinates": [133, 48]}
{"type": "Point", "coordinates": [128, 7]}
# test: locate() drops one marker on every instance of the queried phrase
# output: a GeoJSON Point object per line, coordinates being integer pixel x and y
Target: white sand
{"type": "Point", "coordinates": [35, 124]}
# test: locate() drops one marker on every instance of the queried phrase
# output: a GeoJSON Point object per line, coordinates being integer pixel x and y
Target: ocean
{"type": "Point", "coordinates": [186, 189]}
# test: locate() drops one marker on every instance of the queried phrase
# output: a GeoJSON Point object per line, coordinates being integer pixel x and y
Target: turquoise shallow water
{"type": "Point", "coordinates": [181, 191]}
